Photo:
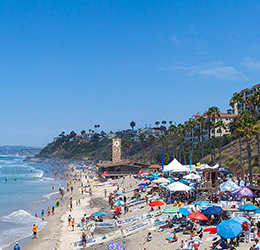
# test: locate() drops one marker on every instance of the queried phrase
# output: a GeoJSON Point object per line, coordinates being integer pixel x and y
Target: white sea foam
{"type": "Point", "coordinates": [24, 228]}
{"type": "Point", "coordinates": [39, 174]}
{"type": "Point", "coordinates": [48, 196]}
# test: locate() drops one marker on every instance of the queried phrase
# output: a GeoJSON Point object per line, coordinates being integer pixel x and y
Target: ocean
{"type": "Point", "coordinates": [25, 189]}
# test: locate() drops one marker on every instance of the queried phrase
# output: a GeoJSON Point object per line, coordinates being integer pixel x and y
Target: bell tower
{"type": "Point", "coordinates": [116, 150]}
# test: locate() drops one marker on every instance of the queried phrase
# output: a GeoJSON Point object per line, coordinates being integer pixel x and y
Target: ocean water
{"type": "Point", "coordinates": [22, 186]}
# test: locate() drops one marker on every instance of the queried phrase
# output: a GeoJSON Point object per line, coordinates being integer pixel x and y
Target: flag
{"type": "Point", "coordinates": [162, 160]}
{"type": "Point", "coordinates": [198, 164]}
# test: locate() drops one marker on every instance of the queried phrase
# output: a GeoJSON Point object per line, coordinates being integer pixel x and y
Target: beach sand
{"type": "Point", "coordinates": [58, 235]}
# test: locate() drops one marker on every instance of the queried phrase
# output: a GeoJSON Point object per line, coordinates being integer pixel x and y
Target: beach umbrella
{"type": "Point", "coordinates": [142, 184]}
{"type": "Point", "coordinates": [117, 209]}
{"type": "Point", "coordinates": [212, 210]}
{"type": "Point", "coordinates": [229, 229]}
{"type": "Point", "coordinates": [119, 193]}
{"type": "Point", "coordinates": [243, 192]}
{"type": "Point", "coordinates": [115, 246]}
{"type": "Point", "coordinates": [211, 230]}
{"type": "Point", "coordinates": [141, 172]}
{"type": "Point", "coordinates": [241, 219]}
{"type": "Point", "coordinates": [156, 203]}
{"type": "Point", "coordinates": [105, 174]}
{"type": "Point", "coordinates": [99, 214]}
{"type": "Point", "coordinates": [163, 184]}
{"type": "Point", "coordinates": [257, 211]}
{"type": "Point", "coordinates": [184, 211]}
{"type": "Point", "coordinates": [171, 210]}
{"type": "Point", "coordinates": [197, 216]}
{"type": "Point", "coordinates": [118, 203]}
{"type": "Point", "coordinates": [248, 207]}
{"type": "Point", "coordinates": [202, 203]}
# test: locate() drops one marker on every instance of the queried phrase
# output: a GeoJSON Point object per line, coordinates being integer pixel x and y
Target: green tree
{"type": "Point", "coordinates": [201, 124]}
{"type": "Point", "coordinates": [157, 123]}
{"type": "Point", "coordinates": [181, 132]}
{"type": "Point", "coordinates": [235, 102]}
{"type": "Point", "coordinates": [220, 125]}
{"type": "Point", "coordinates": [151, 140]}
{"type": "Point", "coordinates": [198, 132]}
{"type": "Point", "coordinates": [212, 113]}
{"type": "Point", "coordinates": [162, 139]}
{"type": "Point", "coordinates": [209, 126]}
{"type": "Point", "coordinates": [132, 124]}
{"type": "Point", "coordinates": [126, 146]}
{"type": "Point", "coordinates": [247, 127]}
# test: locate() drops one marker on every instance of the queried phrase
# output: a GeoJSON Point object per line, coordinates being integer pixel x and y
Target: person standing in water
{"type": "Point", "coordinates": [34, 231]}
{"type": "Point", "coordinates": [17, 247]}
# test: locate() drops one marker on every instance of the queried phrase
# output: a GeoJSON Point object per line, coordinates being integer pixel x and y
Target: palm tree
{"type": "Point", "coordinates": [213, 112]}
{"type": "Point", "coordinates": [209, 126]}
{"type": "Point", "coordinates": [247, 127]}
{"type": "Point", "coordinates": [172, 129]}
{"type": "Point", "coordinates": [199, 134]}
{"type": "Point", "coordinates": [132, 124]}
{"type": "Point", "coordinates": [220, 125]}
{"type": "Point", "coordinates": [141, 138]}
{"type": "Point", "coordinates": [162, 139]}
{"type": "Point", "coordinates": [201, 123]}
{"type": "Point", "coordinates": [95, 126]}
{"type": "Point", "coordinates": [235, 102]}
{"type": "Point", "coordinates": [157, 123]}
{"type": "Point", "coordinates": [190, 125]}
{"type": "Point", "coordinates": [254, 101]}
{"type": "Point", "coordinates": [98, 126]}
{"type": "Point", "coordinates": [181, 132]}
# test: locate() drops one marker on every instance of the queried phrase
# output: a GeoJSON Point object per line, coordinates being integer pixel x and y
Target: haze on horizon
{"type": "Point", "coordinates": [68, 65]}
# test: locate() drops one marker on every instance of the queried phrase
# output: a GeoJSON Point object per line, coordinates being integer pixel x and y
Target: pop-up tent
{"type": "Point", "coordinates": [192, 176]}
{"type": "Point", "coordinates": [175, 166]}
{"type": "Point", "coordinates": [229, 185]}
{"type": "Point", "coordinates": [178, 186]}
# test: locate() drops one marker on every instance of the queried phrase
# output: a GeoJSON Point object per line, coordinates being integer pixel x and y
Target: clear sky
{"type": "Point", "coordinates": [68, 65]}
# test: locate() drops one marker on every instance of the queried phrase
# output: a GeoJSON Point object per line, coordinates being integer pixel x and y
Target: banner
{"type": "Point", "coordinates": [161, 218]}
{"type": "Point", "coordinates": [134, 228]}
{"type": "Point", "coordinates": [152, 214]}
{"type": "Point", "coordinates": [91, 241]}
{"type": "Point", "coordinates": [109, 236]}
{"type": "Point", "coordinates": [129, 220]}
{"type": "Point", "coordinates": [105, 224]}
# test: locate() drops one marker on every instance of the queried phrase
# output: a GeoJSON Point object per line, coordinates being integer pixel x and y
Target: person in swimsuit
{"type": "Point", "coordinates": [84, 239]}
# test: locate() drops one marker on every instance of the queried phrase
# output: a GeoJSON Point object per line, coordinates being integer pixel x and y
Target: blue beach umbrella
{"type": "Point", "coordinates": [257, 211]}
{"type": "Point", "coordinates": [142, 184]}
{"type": "Point", "coordinates": [119, 193]}
{"type": "Point", "coordinates": [184, 211]}
{"type": "Point", "coordinates": [99, 214]}
{"type": "Point", "coordinates": [248, 207]}
{"type": "Point", "coordinates": [118, 203]}
{"type": "Point", "coordinates": [202, 203]}
{"type": "Point", "coordinates": [229, 229]}
{"type": "Point", "coordinates": [241, 219]}
{"type": "Point", "coordinates": [212, 210]}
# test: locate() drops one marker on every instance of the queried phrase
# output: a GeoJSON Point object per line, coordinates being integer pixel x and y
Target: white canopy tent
{"type": "Point", "coordinates": [178, 186]}
{"type": "Point", "coordinates": [229, 185]}
{"type": "Point", "coordinates": [175, 166]}
{"type": "Point", "coordinates": [192, 176]}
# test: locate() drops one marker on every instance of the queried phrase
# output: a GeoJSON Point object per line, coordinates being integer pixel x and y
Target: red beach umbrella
{"type": "Point", "coordinates": [156, 203]}
{"type": "Point", "coordinates": [197, 216]}
{"type": "Point", "coordinates": [117, 209]}
{"type": "Point", "coordinates": [141, 172]}
{"type": "Point", "coordinates": [105, 174]}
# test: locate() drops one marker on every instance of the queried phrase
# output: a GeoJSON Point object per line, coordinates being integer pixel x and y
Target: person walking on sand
{"type": "Point", "coordinates": [34, 231]}
{"type": "Point", "coordinates": [73, 224]}
{"type": "Point", "coordinates": [69, 219]}
{"type": "Point", "coordinates": [17, 247]}
{"type": "Point", "coordinates": [105, 191]}
{"type": "Point", "coordinates": [52, 210]}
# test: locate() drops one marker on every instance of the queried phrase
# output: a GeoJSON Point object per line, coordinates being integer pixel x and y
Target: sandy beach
{"type": "Point", "coordinates": [57, 234]}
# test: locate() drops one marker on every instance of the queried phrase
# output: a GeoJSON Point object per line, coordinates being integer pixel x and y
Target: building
{"type": "Point", "coordinates": [246, 94]}
{"type": "Point", "coordinates": [225, 117]}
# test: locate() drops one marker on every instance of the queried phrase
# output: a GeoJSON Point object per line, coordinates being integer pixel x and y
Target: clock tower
{"type": "Point", "coordinates": [116, 150]}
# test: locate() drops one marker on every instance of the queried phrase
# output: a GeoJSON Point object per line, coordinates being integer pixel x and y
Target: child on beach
{"type": "Point", "coordinates": [73, 224]}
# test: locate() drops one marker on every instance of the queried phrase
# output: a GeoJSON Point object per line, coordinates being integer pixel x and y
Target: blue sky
{"type": "Point", "coordinates": [68, 65]}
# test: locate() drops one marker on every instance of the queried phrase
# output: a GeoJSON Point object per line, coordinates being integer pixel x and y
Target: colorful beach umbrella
{"type": "Point", "coordinates": [184, 211]}
{"type": "Point", "coordinates": [248, 207]}
{"type": "Point", "coordinates": [171, 210]}
{"type": "Point", "coordinates": [117, 209]}
{"type": "Point", "coordinates": [115, 246]}
{"type": "Point", "coordinates": [202, 203]}
{"type": "Point", "coordinates": [99, 214]}
{"type": "Point", "coordinates": [212, 210]}
{"type": "Point", "coordinates": [197, 216]}
{"type": "Point", "coordinates": [119, 193]}
{"type": "Point", "coordinates": [118, 203]}
{"type": "Point", "coordinates": [243, 192]}
{"type": "Point", "coordinates": [105, 174]}
{"type": "Point", "coordinates": [229, 229]}
{"type": "Point", "coordinates": [241, 219]}
{"type": "Point", "coordinates": [156, 203]}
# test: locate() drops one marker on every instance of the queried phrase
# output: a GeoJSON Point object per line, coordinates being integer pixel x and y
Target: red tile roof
{"type": "Point", "coordinates": [244, 90]}
{"type": "Point", "coordinates": [256, 86]}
